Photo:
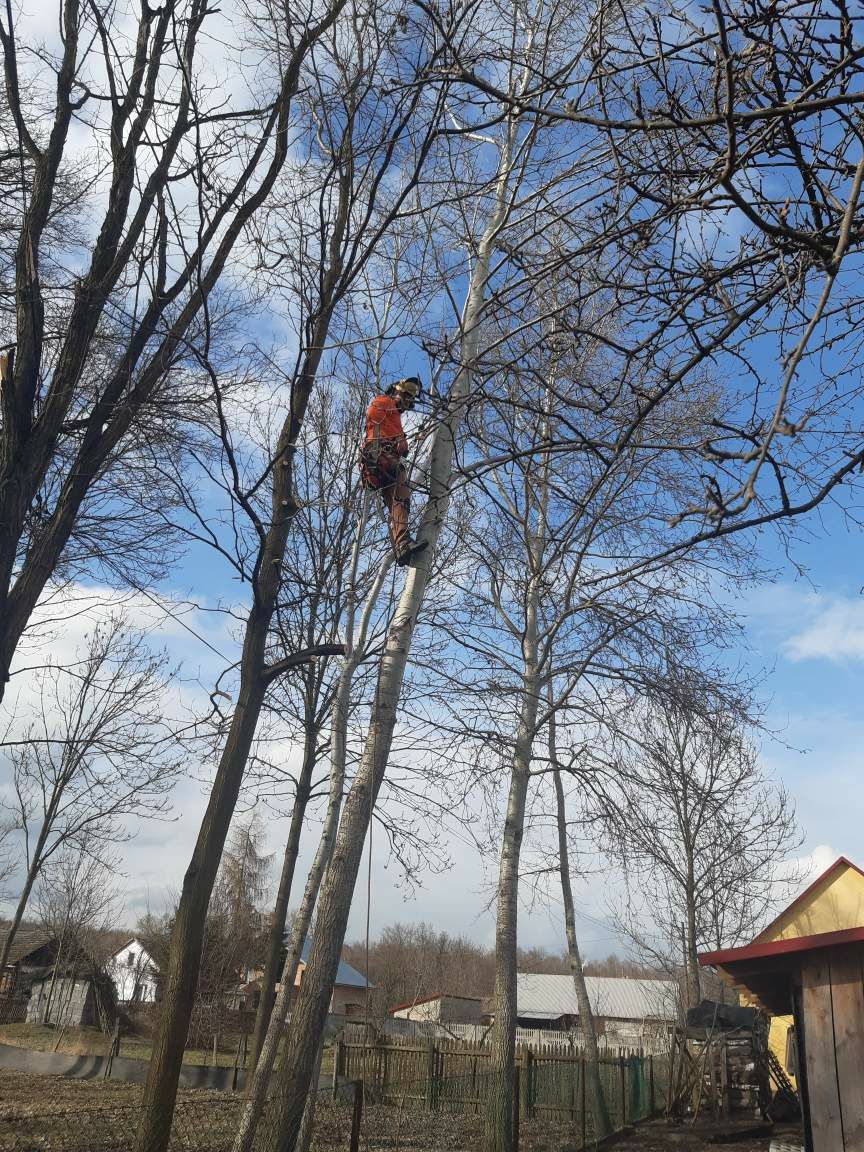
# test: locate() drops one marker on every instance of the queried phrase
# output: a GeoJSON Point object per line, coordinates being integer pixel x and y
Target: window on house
{"type": "Point", "coordinates": [130, 960]}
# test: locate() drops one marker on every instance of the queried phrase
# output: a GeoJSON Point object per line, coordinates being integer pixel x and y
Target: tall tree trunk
{"type": "Point", "coordinates": [276, 931]}
{"type": "Point", "coordinates": [694, 983]}
{"type": "Point", "coordinates": [187, 936]}
{"type": "Point", "coordinates": [594, 1084]}
{"type": "Point", "coordinates": [310, 1013]}
{"type": "Point", "coordinates": [256, 1091]}
{"type": "Point", "coordinates": [499, 1122]}
{"type": "Point", "coordinates": [29, 881]}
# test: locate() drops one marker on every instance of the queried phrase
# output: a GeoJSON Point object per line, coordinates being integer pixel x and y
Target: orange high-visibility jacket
{"type": "Point", "coordinates": [383, 414]}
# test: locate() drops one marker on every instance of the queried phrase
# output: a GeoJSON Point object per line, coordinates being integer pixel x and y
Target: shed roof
{"type": "Point", "coordinates": [832, 902]}
{"type": "Point", "coordinates": [546, 997]}
{"type": "Point", "coordinates": [27, 941]}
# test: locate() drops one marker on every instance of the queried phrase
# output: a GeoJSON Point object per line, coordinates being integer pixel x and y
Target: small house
{"type": "Point", "coordinates": [441, 1009]}
{"type": "Point", "coordinates": [134, 973]}
{"type": "Point", "coordinates": [70, 998]}
{"type": "Point", "coordinates": [627, 1012]}
{"type": "Point", "coordinates": [808, 965]}
{"type": "Point", "coordinates": [349, 990]}
{"type": "Point", "coordinates": [32, 954]}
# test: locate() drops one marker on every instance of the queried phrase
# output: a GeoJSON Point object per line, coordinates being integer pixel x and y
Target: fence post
{"type": "Point", "coordinates": [431, 1072]}
{"type": "Point", "coordinates": [356, 1116]}
{"type": "Point", "coordinates": [529, 1084]}
{"type": "Point", "coordinates": [651, 1082]}
{"type": "Point", "coordinates": [583, 1112]}
{"type": "Point", "coordinates": [338, 1065]}
{"type": "Point", "coordinates": [516, 1095]}
{"type": "Point", "coordinates": [622, 1075]}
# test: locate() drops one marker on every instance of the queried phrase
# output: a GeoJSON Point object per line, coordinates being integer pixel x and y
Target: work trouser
{"type": "Point", "coordinates": [387, 475]}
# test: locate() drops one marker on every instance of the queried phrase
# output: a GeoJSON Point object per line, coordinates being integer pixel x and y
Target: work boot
{"type": "Point", "coordinates": [409, 552]}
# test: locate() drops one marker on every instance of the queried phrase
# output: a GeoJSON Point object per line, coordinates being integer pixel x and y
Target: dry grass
{"type": "Point", "coordinates": [92, 1042]}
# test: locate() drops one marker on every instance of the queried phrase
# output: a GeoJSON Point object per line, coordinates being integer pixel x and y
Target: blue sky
{"type": "Point", "coordinates": [807, 634]}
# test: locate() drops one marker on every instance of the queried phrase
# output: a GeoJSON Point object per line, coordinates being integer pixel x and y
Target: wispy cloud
{"type": "Point", "coordinates": [834, 631]}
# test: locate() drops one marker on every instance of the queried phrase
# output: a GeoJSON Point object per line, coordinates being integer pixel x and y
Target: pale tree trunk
{"type": "Point", "coordinates": [694, 983]}
{"type": "Point", "coordinates": [310, 1013]}
{"type": "Point", "coordinates": [256, 1090]}
{"type": "Point", "coordinates": [307, 1125]}
{"type": "Point", "coordinates": [534, 530]}
{"type": "Point", "coordinates": [499, 1121]}
{"type": "Point", "coordinates": [276, 933]}
{"type": "Point", "coordinates": [594, 1084]}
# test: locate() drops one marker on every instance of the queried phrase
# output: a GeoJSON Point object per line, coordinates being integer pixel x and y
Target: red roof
{"type": "Point", "coordinates": [839, 862]}
{"type": "Point", "coordinates": [761, 949]}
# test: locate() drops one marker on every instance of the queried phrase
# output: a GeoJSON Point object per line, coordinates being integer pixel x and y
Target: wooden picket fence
{"type": "Point", "coordinates": [457, 1077]}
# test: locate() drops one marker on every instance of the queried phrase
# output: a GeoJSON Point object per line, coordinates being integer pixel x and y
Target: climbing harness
{"type": "Point", "coordinates": [381, 464]}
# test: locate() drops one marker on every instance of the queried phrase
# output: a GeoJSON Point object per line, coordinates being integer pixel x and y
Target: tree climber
{"type": "Point", "coordinates": [381, 461]}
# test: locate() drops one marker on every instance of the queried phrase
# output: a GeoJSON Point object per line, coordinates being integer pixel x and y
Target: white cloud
{"type": "Point", "coordinates": [834, 631]}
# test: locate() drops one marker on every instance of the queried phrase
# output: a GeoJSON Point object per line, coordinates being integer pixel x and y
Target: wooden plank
{"type": "Point", "coordinates": [825, 1121]}
{"type": "Point", "coordinates": [847, 994]}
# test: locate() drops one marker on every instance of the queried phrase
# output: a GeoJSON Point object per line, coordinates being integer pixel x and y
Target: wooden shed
{"type": "Point", "coordinates": [819, 979]}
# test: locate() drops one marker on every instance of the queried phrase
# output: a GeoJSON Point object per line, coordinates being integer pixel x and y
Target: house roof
{"type": "Point", "coordinates": [124, 944]}
{"type": "Point", "coordinates": [765, 949]}
{"type": "Point", "coordinates": [347, 976]}
{"type": "Point", "coordinates": [803, 898]}
{"type": "Point", "coordinates": [547, 997]}
{"type": "Point", "coordinates": [434, 996]}
{"type": "Point", "coordinates": [28, 940]}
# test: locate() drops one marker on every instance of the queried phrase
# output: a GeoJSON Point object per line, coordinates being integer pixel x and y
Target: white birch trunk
{"type": "Point", "coordinates": [499, 1124]}
{"type": "Point", "coordinates": [256, 1092]}
{"type": "Point", "coordinates": [310, 1014]}
{"type": "Point", "coordinates": [594, 1084]}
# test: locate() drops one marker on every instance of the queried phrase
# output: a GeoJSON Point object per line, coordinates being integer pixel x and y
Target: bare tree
{"type": "Point", "coordinates": [512, 152]}
{"type": "Point", "coordinates": [76, 902]}
{"type": "Point", "coordinates": [104, 351]}
{"type": "Point", "coordinates": [698, 826]}
{"type": "Point", "coordinates": [98, 750]}
{"type": "Point", "coordinates": [698, 115]}
{"type": "Point", "coordinates": [363, 132]}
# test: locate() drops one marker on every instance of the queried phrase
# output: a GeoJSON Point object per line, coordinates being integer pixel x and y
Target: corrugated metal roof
{"type": "Point", "coordinates": [544, 997]}
{"type": "Point", "coordinates": [345, 975]}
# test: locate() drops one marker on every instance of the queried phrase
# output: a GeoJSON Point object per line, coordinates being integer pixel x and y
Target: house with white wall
{"type": "Point", "coordinates": [134, 973]}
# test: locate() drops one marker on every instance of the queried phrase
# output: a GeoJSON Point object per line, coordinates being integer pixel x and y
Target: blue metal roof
{"type": "Point", "coordinates": [345, 975]}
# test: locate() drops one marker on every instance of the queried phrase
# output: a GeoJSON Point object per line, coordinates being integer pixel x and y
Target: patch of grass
{"type": "Point", "coordinates": [92, 1042]}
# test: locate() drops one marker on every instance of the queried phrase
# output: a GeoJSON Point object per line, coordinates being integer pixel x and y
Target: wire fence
{"type": "Point", "coordinates": [386, 1109]}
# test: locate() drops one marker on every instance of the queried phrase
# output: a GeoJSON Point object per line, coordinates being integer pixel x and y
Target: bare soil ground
{"type": "Point", "coordinates": [659, 1136]}
{"type": "Point", "coordinates": [41, 1112]}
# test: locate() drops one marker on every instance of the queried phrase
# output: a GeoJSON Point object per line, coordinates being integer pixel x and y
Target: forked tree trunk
{"type": "Point", "coordinates": [310, 1013]}
{"type": "Point", "coordinates": [594, 1083]}
{"type": "Point", "coordinates": [256, 1092]}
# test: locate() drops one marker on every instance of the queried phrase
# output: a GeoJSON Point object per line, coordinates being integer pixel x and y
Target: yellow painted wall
{"type": "Point", "coordinates": [834, 903]}
{"type": "Point", "coordinates": [777, 1041]}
